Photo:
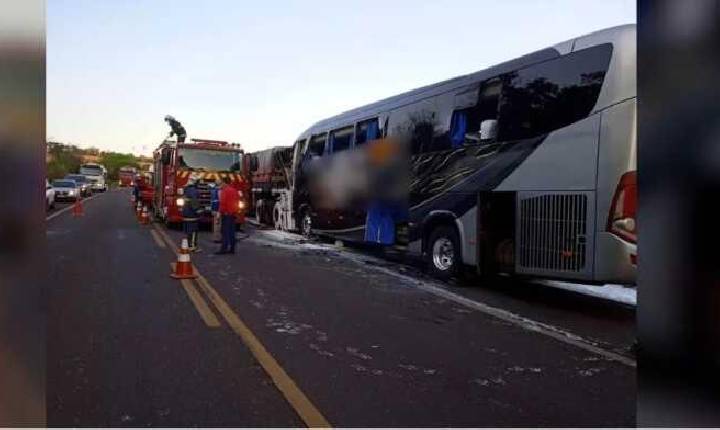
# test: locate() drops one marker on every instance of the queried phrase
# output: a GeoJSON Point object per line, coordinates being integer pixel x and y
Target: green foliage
{"type": "Point", "coordinates": [64, 159]}
{"type": "Point", "coordinates": [113, 161]}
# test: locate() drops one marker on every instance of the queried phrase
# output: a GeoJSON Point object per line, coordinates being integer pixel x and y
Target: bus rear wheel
{"type": "Point", "coordinates": [443, 254]}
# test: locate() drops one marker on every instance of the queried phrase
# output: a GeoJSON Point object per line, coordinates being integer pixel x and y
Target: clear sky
{"type": "Point", "coordinates": [261, 72]}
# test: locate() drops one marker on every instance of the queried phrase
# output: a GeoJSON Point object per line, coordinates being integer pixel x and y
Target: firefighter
{"type": "Point", "coordinates": [190, 214]}
{"type": "Point", "coordinates": [176, 128]}
{"type": "Point", "coordinates": [229, 207]}
{"type": "Point", "coordinates": [215, 208]}
{"type": "Point", "coordinates": [136, 188]}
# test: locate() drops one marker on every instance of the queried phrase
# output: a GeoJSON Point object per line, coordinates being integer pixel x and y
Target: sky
{"type": "Point", "coordinates": [259, 73]}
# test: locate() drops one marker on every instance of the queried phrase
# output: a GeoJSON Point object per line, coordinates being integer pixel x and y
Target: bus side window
{"type": "Point", "coordinates": [341, 139]}
{"type": "Point", "coordinates": [366, 131]}
{"type": "Point", "coordinates": [554, 94]}
{"type": "Point", "coordinates": [422, 137]}
{"type": "Point", "coordinates": [316, 147]}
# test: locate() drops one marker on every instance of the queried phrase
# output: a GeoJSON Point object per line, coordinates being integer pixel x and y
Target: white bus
{"type": "Point", "coordinates": [525, 168]}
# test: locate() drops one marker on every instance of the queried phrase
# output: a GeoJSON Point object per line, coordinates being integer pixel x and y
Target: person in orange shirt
{"type": "Point", "coordinates": [229, 207]}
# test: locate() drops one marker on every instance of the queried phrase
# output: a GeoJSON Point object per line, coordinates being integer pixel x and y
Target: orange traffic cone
{"type": "Point", "coordinates": [77, 209]}
{"type": "Point", "coordinates": [144, 216]}
{"type": "Point", "coordinates": [184, 268]}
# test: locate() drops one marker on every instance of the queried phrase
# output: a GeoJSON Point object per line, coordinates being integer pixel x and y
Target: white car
{"type": "Point", "coordinates": [66, 189]}
{"type": "Point", "coordinates": [49, 195]}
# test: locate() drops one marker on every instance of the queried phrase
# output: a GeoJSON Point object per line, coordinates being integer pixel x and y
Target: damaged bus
{"type": "Point", "coordinates": [525, 168]}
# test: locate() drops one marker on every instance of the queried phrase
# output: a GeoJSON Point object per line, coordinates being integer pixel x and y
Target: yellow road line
{"type": "Point", "coordinates": [289, 389]}
{"type": "Point", "coordinates": [297, 399]}
{"type": "Point", "coordinates": [200, 304]}
{"type": "Point", "coordinates": [157, 239]}
{"type": "Point", "coordinates": [167, 238]}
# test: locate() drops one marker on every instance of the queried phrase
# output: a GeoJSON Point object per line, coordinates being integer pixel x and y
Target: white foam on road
{"type": "Point", "coordinates": [294, 241]}
{"type": "Point", "coordinates": [615, 293]}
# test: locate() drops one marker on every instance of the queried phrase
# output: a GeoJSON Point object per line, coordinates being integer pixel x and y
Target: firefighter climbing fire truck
{"type": "Point", "coordinates": [206, 161]}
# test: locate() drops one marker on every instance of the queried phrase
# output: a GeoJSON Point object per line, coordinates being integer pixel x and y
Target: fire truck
{"type": "Point", "coordinates": [126, 175]}
{"type": "Point", "coordinates": [204, 160]}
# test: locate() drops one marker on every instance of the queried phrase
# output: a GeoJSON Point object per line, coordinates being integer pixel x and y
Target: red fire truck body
{"type": "Point", "coordinates": [145, 188]}
{"type": "Point", "coordinates": [206, 161]}
{"type": "Point", "coordinates": [126, 176]}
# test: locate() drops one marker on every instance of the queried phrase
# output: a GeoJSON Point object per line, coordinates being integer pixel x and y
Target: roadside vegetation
{"type": "Point", "coordinates": [66, 158]}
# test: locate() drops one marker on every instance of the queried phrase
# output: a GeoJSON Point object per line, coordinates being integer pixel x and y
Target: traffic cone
{"type": "Point", "coordinates": [78, 208]}
{"type": "Point", "coordinates": [144, 216]}
{"type": "Point", "coordinates": [184, 268]}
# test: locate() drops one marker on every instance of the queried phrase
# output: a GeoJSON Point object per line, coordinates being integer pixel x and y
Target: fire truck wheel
{"type": "Point", "coordinates": [258, 212]}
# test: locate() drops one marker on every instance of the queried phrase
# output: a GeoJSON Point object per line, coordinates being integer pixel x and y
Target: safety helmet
{"type": "Point", "coordinates": [168, 118]}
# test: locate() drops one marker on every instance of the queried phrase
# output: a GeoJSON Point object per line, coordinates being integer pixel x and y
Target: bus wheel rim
{"type": "Point", "coordinates": [307, 225]}
{"type": "Point", "coordinates": [443, 253]}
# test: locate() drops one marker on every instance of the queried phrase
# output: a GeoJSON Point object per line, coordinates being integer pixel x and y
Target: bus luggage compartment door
{"type": "Point", "coordinates": [555, 233]}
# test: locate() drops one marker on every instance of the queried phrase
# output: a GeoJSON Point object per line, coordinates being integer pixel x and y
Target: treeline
{"type": "Point", "coordinates": [64, 159]}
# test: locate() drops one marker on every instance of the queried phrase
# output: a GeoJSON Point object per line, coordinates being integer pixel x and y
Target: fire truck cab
{"type": "Point", "coordinates": [206, 161]}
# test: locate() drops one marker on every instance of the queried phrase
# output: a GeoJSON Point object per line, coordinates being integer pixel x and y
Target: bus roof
{"type": "Point", "coordinates": [608, 35]}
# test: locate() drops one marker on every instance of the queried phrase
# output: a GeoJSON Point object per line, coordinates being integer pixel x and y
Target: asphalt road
{"type": "Point", "coordinates": [289, 334]}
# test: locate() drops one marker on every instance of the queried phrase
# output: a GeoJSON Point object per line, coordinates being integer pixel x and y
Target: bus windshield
{"type": "Point", "coordinates": [207, 159]}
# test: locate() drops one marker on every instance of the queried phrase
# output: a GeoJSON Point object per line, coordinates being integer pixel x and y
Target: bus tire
{"type": "Point", "coordinates": [277, 217]}
{"type": "Point", "coordinates": [306, 223]}
{"type": "Point", "coordinates": [443, 253]}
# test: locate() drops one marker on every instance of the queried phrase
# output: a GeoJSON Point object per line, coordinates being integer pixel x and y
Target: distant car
{"type": "Point", "coordinates": [83, 182]}
{"type": "Point", "coordinates": [49, 195]}
{"type": "Point", "coordinates": [66, 190]}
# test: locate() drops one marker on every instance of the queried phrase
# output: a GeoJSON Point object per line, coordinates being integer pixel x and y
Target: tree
{"type": "Point", "coordinates": [64, 159]}
{"type": "Point", "coordinates": [113, 161]}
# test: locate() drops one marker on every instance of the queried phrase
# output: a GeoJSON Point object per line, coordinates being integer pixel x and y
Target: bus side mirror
{"type": "Point", "coordinates": [488, 129]}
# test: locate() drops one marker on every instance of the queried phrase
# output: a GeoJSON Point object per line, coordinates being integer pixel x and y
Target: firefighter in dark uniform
{"type": "Point", "coordinates": [177, 128]}
{"type": "Point", "coordinates": [190, 214]}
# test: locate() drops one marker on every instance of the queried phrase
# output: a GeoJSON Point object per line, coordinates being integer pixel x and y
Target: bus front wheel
{"type": "Point", "coordinates": [306, 224]}
{"type": "Point", "coordinates": [443, 254]}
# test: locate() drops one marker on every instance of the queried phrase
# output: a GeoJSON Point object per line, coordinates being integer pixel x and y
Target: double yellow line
{"type": "Point", "coordinates": [289, 389]}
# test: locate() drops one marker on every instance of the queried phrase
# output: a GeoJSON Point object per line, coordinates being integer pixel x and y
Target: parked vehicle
{"type": "Point", "coordinates": [126, 176]}
{"type": "Point", "coordinates": [83, 182]}
{"type": "Point", "coordinates": [269, 172]}
{"type": "Point", "coordinates": [97, 174]}
{"type": "Point", "coordinates": [49, 195]}
{"type": "Point", "coordinates": [525, 168]}
{"type": "Point", "coordinates": [205, 161]}
{"type": "Point", "coordinates": [66, 190]}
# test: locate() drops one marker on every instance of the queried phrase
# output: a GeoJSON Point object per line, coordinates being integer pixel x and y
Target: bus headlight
{"type": "Point", "coordinates": [180, 202]}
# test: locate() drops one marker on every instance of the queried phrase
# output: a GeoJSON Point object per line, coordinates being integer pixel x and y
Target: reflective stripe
{"type": "Point", "coordinates": [183, 258]}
